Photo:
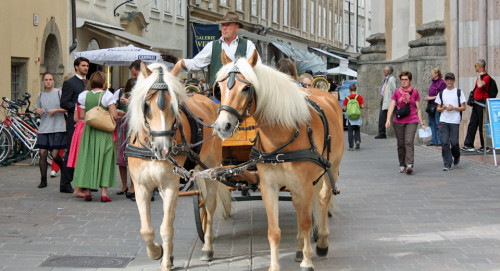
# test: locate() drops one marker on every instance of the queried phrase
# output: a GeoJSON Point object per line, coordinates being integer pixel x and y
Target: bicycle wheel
{"type": "Point", "coordinates": [5, 143]}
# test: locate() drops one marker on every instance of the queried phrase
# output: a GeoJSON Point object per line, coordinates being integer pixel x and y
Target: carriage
{"type": "Point", "coordinates": [291, 130]}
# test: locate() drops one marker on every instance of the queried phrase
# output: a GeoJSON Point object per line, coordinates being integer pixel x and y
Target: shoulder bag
{"type": "Point", "coordinates": [404, 110]}
{"type": "Point", "coordinates": [100, 118]}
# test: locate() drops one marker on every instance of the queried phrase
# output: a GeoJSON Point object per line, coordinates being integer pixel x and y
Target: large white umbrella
{"type": "Point", "coordinates": [119, 56]}
{"type": "Point", "coordinates": [345, 71]}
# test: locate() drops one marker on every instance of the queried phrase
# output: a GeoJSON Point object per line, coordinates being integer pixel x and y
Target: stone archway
{"type": "Point", "coordinates": [51, 53]}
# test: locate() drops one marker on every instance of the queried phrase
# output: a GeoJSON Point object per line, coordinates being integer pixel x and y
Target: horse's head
{"type": "Point", "coordinates": [236, 95]}
{"type": "Point", "coordinates": [156, 100]}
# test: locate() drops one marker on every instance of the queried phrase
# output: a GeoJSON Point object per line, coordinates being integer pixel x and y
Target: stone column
{"type": "Point", "coordinates": [454, 61]}
{"type": "Point", "coordinates": [483, 30]}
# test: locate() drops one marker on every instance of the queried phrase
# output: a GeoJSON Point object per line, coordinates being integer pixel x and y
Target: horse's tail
{"type": "Point", "coordinates": [223, 210]}
{"type": "Point", "coordinates": [316, 206]}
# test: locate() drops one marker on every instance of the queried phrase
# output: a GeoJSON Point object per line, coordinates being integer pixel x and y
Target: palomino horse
{"type": "Point", "coordinates": [295, 136]}
{"type": "Point", "coordinates": [157, 126]}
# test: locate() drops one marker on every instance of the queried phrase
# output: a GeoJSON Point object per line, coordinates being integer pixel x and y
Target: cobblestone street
{"type": "Point", "coordinates": [431, 220]}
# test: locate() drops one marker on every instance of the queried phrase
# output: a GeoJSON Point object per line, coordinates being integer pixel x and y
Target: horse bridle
{"type": "Point", "coordinates": [161, 87]}
{"type": "Point", "coordinates": [231, 80]}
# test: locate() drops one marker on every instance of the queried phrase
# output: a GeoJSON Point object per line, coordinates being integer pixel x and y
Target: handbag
{"type": "Point", "coordinates": [100, 118]}
{"type": "Point", "coordinates": [403, 111]}
{"type": "Point", "coordinates": [431, 108]}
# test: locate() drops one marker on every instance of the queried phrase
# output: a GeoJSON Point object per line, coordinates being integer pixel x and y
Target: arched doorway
{"type": "Point", "coordinates": [52, 57]}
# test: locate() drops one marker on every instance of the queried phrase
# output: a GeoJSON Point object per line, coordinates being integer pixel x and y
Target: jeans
{"type": "Point", "coordinates": [353, 134]}
{"type": "Point", "coordinates": [405, 135]}
{"type": "Point", "coordinates": [434, 124]}
{"type": "Point", "coordinates": [450, 147]}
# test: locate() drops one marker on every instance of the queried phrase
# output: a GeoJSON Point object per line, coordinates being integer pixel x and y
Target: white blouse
{"type": "Point", "coordinates": [106, 100]}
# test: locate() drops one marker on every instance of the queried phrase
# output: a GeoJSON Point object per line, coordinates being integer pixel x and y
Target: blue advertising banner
{"type": "Point", "coordinates": [203, 34]}
{"type": "Point", "coordinates": [494, 125]}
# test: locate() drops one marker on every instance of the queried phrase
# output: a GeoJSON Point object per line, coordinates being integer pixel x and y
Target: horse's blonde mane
{"type": "Point", "coordinates": [280, 101]}
{"type": "Point", "coordinates": [135, 113]}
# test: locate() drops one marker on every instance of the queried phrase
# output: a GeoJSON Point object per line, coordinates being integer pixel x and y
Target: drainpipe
{"type": "Point", "coordinates": [73, 25]}
{"type": "Point", "coordinates": [357, 26]}
{"type": "Point", "coordinates": [349, 22]}
{"type": "Point", "coordinates": [483, 30]}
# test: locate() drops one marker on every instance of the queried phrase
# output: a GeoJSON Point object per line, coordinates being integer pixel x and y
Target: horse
{"type": "Point", "coordinates": [157, 126]}
{"type": "Point", "coordinates": [293, 123]}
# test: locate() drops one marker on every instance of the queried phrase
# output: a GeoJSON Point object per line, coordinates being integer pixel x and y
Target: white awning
{"type": "Point", "coordinates": [289, 50]}
{"type": "Point", "coordinates": [329, 54]}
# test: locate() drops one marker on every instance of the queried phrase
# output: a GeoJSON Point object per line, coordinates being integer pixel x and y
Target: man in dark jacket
{"type": "Point", "coordinates": [69, 97]}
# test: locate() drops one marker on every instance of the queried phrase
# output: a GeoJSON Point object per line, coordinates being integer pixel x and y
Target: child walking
{"type": "Point", "coordinates": [353, 103]}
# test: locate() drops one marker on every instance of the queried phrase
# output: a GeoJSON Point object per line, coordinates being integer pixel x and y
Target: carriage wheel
{"type": "Point", "coordinates": [200, 214]}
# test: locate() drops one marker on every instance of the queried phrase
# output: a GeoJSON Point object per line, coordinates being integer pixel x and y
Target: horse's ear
{"type": "Point", "coordinates": [253, 59]}
{"type": "Point", "coordinates": [145, 71]}
{"type": "Point", "coordinates": [225, 59]}
{"type": "Point", "coordinates": [177, 68]}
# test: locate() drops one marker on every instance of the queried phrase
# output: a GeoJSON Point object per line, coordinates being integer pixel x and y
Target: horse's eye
{"type": "Point", "coordinates": [246, 88]}
{"type": "Point", "coordinates": [147, 109]}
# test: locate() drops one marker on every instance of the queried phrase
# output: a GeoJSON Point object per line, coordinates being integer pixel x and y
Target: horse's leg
{"type": "Point", "coordinates": [210, 201]}
{"type": "Point", "coordinates": [299, 256]}
{"type": "Point", "coordinates": [325, 195]}
{"type": "Point", "coordinates": [170, 196]}
{"type": "Point", "coordinates": [303, 204]}
{"type": "Point", "coordinates": [143, 200]}
{"type": "Point", "coordinates": [270, 195]}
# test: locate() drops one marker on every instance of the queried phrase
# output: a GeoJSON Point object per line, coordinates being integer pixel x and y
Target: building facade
{"type": "Point", "coordinates": [357, 24]}
{"type": "Point", "coordinates": [157, 25]}
{"type": "Point", "coordinates": [418, 35]}
{"type": "Point", "coordinates": [34, 41]}
{"type": "Point", "coordinates": [282, 28]}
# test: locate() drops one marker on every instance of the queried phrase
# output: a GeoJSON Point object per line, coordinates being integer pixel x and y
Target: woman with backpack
{"type": "Point", "coordinates": [353, 103]}
{"type": "Point", "coordinates": [405, 104]}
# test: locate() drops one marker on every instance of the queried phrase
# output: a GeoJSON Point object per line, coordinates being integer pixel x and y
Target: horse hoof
{"type": "Point", "coordinates": [207, 255]}
{"type": "Point", "coordinates": [299, 256]}
{"type": "Point", "coordinates": [310, 268]}
{"type": "Point", "coordinates": [321, 252]}
{"type": "Point", "coordinates": [160, 254]}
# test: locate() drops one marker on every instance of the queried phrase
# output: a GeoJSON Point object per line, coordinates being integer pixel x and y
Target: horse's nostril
{"type": "Point", "coordinates": [228, 126]}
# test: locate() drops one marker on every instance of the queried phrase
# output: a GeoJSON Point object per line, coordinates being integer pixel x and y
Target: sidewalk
{"type": "Point", "coordinates": [431, 220]}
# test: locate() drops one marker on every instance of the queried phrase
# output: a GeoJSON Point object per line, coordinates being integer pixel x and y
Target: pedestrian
{"type": "Point", "coordinates": [55, 168]}
{"type": "Point", "coordinates": [135, 68]}
{"type": "Point", "coordinates": [95, 166]}
{"type": "Point", "coordinates": [353, 103]}
{"type": "Point", "coordinates": [69, 97]}
{"type": "Point", "coordinates": [436, 86]}
{"type": "Point", "coordinates": [386, 92]}
{"type": "Point", "coordinates": [405, 103]}
{"type": "Point", "coordinates": [121, 131]}
{"type": "Point", "coordinates": [286, 66]}
{"type": "Point", "coordinates": [451, 102]}
{"type": "Point", "coordinates": [480, 94]}
{"type": "Point", "coordinates": [232, 45]}
{"type": "Point", "coordinates": [305, 80]}
{"type": "Point", "coordinates": [52, 130]}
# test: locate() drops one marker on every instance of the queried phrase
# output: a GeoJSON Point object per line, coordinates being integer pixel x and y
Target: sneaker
{"type": "Point", "coordinates": [350, 149]}
{"type": "Point", "coordinates": [409, 169]}
{"type": "Point", "coordinates": [357, 144]}
{"type": "Point", "coordinates": [380, 137]}
{"type": "Point", "coordinates": [401, 169]}
{"type": "Point", "coordinates": [446, 168]}
{"type": "Point", "coordinates": [481, 150]}
{"type": "Point", "coordinates": [53, 173]}
{"type": "Point", "coordinates": [467, 149]}
{"type": "Point", "coordinates": [456, 161]}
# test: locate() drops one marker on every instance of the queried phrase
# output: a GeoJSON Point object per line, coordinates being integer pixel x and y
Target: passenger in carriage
{"type": "Point", "coordinates": [232, 45]}
{"type": "Point", "coordinates": [305, 80]}
{"type": "Point", "coordinates": [286, 66]}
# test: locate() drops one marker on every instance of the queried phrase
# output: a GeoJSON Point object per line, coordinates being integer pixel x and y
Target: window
{"type": "Point", "coordinates": [239, 4]}
{"type": "Point", "coordinates": [264, 9]}
{"type": "Point", "coordinates": [154, 4]}
{"type": "Point", "coordinates": [254, 8]}
{"type": "Point", "coordinates": [304, 15]}
{"type": "Point", "coordinates": [222, 2]}
{"type": "Point", "coordinates": [275, 11]}
{"type": "Point", "coordinates": [330, 24]}
{"type": "Point", "coordinates": [312, 18]}
{"type": "Point", "coordinates": [180, 8]}
{"type": "Point", "coordinates": [168, 6]}
{"type": "Point", "coordinates": [336, 28]}
{"type": "Point", "coordinates": [324, 22]}
{"type": "Point", "coordinates": [18, 77]}
{"type": "Point", "coordinates": [320, 20]}
{"type": "Point", "coordinates": [285, 12]}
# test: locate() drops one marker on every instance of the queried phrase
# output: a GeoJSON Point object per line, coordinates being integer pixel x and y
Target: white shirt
{"type": "Point", "coordinates": [203, 58]}
{"type": "Point", "coordinates": [450, 97]}
{"type": "Point", "coordinates": [106, 100]}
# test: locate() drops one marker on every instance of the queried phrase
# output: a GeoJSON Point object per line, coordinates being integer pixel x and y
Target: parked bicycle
{"type": "Point", "coordinates": [17, 136]}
